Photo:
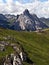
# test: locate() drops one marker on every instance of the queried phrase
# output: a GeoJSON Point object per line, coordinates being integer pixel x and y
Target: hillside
{"type": "Point", "coordinates": [36, 45]}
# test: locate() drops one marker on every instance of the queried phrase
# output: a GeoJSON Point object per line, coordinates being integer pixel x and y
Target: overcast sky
{"type": "Point", "coordinates": [39, 7]}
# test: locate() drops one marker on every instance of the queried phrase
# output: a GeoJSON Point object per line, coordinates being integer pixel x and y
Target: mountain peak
{"type": "Point", "coordinates": [26, 12]}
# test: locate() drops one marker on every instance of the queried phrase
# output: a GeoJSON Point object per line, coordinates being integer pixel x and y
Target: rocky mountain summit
{"type": "Point", "coordinates": [28, 22]}
{"type": "Point", "coordinates": [23, 22]}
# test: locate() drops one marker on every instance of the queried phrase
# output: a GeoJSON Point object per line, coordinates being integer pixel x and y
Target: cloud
{"type": "Point", "coordinates": [25, 1]}
{"type": "Point", "coordinates": [17, 7]}
{"type": "Point", "coordinates": [1, 1]}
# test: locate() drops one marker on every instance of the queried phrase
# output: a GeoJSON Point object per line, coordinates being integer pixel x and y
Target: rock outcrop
{"type": "Point", "coordinates": [15, 58]}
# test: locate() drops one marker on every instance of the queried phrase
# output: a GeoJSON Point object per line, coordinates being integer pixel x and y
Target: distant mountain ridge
{"type": "Point", "coordinates": [3, 21]}
{"type": "Point", "coordinates": [45, 20]}
{"type": "Point", "coordinates": [24, 22]}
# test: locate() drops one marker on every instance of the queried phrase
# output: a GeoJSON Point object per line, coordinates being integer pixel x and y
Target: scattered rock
{"type": "Point", "coordinates": [17, 60]}
{"type": "Point", "coordinates": [18, 57]}
{"type": "Point", "coordinates": [13, 59]}
{"type": "Point", "coordinates": [8, 61]}
{"type": "Point", "coordinates": [2, 47]}
{"type": "Point", "coordinates": [5, 38]}
{"type": "Point", "coordinates": [4, 43]}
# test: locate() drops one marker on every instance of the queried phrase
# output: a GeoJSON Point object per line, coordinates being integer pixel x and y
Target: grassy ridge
{"type": "Point", "coordinates": [35, 44]}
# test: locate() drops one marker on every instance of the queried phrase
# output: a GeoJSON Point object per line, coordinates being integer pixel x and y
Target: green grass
{"type": "Point", "coordinates": [7, 51]}
{"type": "Point", "coordinates": [35, 44]}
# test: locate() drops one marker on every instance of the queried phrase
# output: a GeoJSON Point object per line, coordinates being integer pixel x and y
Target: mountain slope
{"type": "Point", "coordinates": [3, 21]}
{"type": "Point", "coordinates": [45, 20]}
{"type": "Point", "coordinates": [36, 45]}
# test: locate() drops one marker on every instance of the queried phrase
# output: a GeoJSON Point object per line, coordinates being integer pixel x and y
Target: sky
{"type": "Point", "coordinates": [38, 7]}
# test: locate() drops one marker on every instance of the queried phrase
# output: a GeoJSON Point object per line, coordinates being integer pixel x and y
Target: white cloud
{"type": "Point", "coordinates": [37, 7]}
{"type": "Point", "coordinates": [1, 1]}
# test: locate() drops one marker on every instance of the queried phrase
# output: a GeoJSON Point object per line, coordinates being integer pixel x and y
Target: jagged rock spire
{"type": "Point", "coordinates": [26, 12]}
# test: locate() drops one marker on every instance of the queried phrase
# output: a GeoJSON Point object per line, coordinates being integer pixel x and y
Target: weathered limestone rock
{"type": "Point", "coordinates": [21, 55]}
{"type": "Point", "coordinates": [2, 47]}
{"type": "Point", "coordinates": [17, 60]}
{"type": "Point", "coordinates": [8, 61]}
{"type": "Point", "coordinates": [4, 43]}
{"type": "Point", "coordinates": [17, 57]}
{"type": "Point", "coordinates": [13, 59]}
